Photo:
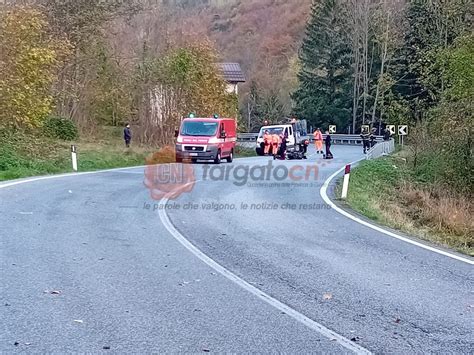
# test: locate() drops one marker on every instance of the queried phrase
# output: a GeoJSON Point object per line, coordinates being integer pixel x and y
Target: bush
{"type": "Point", "coordinates": [60, 128]}
{"type": "Point", "coordinates": [9, 158]}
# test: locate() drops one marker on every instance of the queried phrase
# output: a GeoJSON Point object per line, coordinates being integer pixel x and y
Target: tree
{"type": "Point", "coordinates": [324, 96]}
{"type": "Point", "coordinates": [84, 24]}
{"type": "Point", "coordinates": [183, 80]}
{"type": "Point", "coordinates": [29, 60]}
{"type": "Point", "coordinates": [359, 24]}
{"type": "Point", "coordinates": [272, 108]}
{"type": "Point", "coordinates": [433, 25]}
{"type": "Point", "coordinates": [454, 116]}
{"type": "Point", "coordinates": [109, 93]}
{"type": "Point", "coordinates": [254, 108]}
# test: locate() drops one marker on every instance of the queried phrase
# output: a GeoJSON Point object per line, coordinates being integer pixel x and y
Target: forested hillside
{"type": "Point", "coordinates": [104, 43]}
{"type": "Point", "coordinates": [264, 36]}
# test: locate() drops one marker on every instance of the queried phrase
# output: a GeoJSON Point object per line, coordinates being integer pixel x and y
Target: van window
{"type": "Point", "coordinates": [291, 132]}
{"type": "Point", "coordinates": [271, 130]}
{"type": "Point", "coordinates": [199, 128]}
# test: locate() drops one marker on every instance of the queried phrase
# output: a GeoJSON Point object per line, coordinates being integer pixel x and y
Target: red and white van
{"type": "Point", "coordinates": [206, 139]}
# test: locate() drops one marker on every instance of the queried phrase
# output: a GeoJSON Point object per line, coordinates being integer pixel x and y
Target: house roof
{"type": "Point", "coordinates": [232, 72]}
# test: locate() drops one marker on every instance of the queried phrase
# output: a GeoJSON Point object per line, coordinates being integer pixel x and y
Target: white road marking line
{"type": "Point", "coordinates": [328, 333]}
{"type": "Point", "coordinates": [48, 177]}
{"type": "Point", "coordinates": [131, 172]}
{"type": "Point", "coordinates": [275, 303]}
{"type": "Point", "coordinates": [324, 195]}
{"type": "Point", "coordinates": [346, 343]}
{"type": "Point", "coordinates": [4, 184]}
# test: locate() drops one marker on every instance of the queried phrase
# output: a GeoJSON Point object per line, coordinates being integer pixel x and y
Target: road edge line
{"type": "Point", "coordinates": [324, 195]}
{"type": "Point", "coordinates": [341, 340]}
{"type": "Point", "coordinates": [15, 182]}
{"type": "Point", "coordinates": [8, 183]}
{"type": "Point", "coordinates": [308, 322]}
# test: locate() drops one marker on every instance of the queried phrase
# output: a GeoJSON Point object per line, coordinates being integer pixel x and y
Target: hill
{"type": "Point", "coordinates": [262, 35]}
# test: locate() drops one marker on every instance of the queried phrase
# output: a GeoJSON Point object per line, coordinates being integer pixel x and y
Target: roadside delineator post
{"type": "Point", "coordinates": [345, 184]}
{"type": "Point", "coordinates": [74, 157]}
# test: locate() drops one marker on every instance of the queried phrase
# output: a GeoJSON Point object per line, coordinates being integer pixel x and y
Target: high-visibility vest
{"type": "Point", "coordinates": [267, 138]}
{"type": "Point", "coordinates": [275, 138]}
{"type": "Point", "coordinates": [318, 136]}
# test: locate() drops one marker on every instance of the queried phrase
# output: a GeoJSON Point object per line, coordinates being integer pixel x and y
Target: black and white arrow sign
{"type": "Point", "coordinates": [402, 130]}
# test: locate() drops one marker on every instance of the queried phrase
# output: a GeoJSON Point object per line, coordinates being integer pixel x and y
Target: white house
{"type": "Point", "coordinates": [232, 74]}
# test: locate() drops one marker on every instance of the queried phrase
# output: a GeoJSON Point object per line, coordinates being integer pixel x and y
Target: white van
{"type": "Point", "coordinates": [296, 132]}
{"type": "Point", "coordinates": [276, 129]}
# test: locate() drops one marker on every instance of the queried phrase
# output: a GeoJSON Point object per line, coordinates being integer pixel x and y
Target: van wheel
{"type": "Point", "coordinates": [230, 157]}
{"type": "Point", "coordinates": [194, 160]}
{"type": "Point", "coordinates": [218, 158]}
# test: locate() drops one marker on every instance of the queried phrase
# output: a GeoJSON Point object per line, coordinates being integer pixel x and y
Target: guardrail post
{"type": "Point", "coordinates": [345, 184]}
{"type": "Point", "coordinates": [74, 157]}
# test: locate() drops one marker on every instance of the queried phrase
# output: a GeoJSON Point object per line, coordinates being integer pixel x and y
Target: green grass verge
{"type": "Point", "coordinates": [24, 155]}
{"type": "Point", "coordinates": [243, 152]}
{"type": "Point", "coordinates": [371, 182]}
{"type": "Point", "coordinates": [389, 192]}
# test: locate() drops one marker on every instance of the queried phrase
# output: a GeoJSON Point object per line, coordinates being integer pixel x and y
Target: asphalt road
{"type": "Point", "coordinates": [126, 283]}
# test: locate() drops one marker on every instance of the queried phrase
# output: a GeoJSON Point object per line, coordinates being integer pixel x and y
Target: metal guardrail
{"type": "Point", "coordinates": [349, 139]}
{"type": "Point", "coordinates": [247, 137]}
{"type": "Point", "coordinates": [381, 149]}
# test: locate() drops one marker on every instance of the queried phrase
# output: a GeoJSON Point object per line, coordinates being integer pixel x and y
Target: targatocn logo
{"type": "Point", "coordinates": [165, 178]}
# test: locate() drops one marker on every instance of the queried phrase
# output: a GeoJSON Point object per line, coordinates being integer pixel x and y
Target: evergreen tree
{"type": "Point", "coordinates": [410, 63]}
{"type": "Point", "coordinates": [324, 95]}
{"type": "Point", "coordinates": [255, 107]}
{"type": "Point", "coordinates": [272, 108]}
{"type": "Point", "coordinates": [433, 25]}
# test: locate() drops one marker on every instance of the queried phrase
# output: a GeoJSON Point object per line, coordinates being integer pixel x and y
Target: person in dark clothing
{"type": "Point", "coordinates": [372, 137]}
{"type": "Point", "coordinates": [365, 141]}
{"type": "Point", "coordinates": [386, 134]}
{"type": "Point", "coordinates": [327, 142]}
{"type": "Point", "coordinates": [127, 135]}
{"type": "Point", "coordinates": [283, 143]}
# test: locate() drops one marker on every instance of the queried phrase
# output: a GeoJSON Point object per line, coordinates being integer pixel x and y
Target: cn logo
{"type": "Point", "coordinates": [165, 178]}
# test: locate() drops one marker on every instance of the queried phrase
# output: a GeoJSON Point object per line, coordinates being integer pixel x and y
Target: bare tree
{"type": "Point", "coordinates": [387, 38]}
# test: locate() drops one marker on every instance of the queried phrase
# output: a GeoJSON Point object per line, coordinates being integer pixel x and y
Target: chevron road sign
{"type": "Point", "coordinates": [402, 130]}
{"type": "Point", "coordinates": [365, 129]}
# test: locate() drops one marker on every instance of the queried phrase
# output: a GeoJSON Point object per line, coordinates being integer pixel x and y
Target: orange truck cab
{"type": "Point", "coordinates": [206, 139]}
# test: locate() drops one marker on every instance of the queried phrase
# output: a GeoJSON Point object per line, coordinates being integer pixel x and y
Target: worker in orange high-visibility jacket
{"type": "Point", "coordinates": [275, 143]}
{"type": "Point", "coordinates": [267, 141]}
{"type": "Point", "coordinates": [318, 141]}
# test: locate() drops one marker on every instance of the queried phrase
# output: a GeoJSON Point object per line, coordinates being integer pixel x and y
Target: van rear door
{"type": "Point", "coordinates": [229, 142]}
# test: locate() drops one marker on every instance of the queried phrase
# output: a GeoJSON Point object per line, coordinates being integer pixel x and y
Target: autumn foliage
{"type": "Point", "coordinates": [29, 60]}
{"type": "Point", "coordinates": [182, 80]}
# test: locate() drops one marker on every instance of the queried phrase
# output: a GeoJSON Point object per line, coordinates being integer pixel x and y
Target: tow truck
{"type": "Point", "coordinates": [298, 138]}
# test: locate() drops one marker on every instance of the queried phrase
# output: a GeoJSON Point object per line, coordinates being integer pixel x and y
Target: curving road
{"type": "Point", "coordinates": [261, 267]}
